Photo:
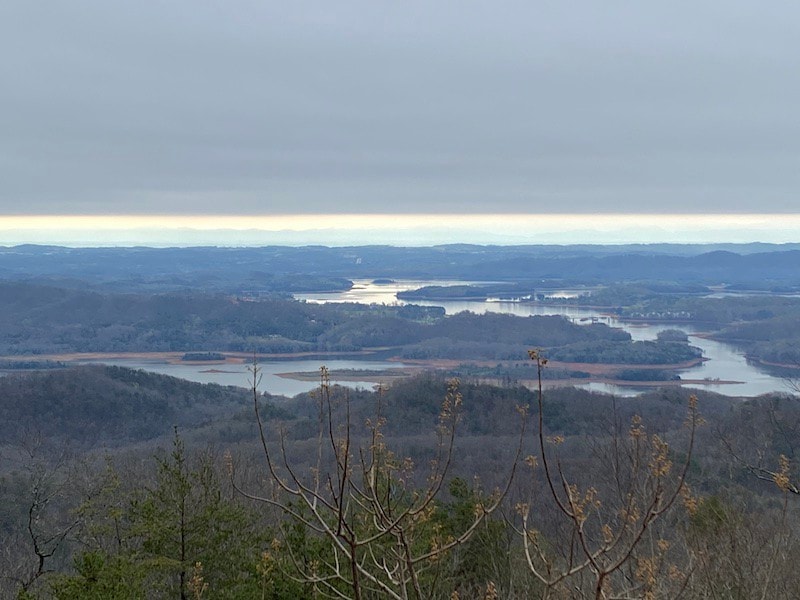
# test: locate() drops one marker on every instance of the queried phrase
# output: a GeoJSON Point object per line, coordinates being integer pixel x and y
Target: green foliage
{"type": "Point", "coordinates": [185, 520]}
{"type": "Point", "coordinates": [148, 546]}
{"type": "Point", "coordinates": [484, 557]}
{"type": "Point", "coordinates": [711, 516]}
{"type": "Point", "coordinates": [101, 577]}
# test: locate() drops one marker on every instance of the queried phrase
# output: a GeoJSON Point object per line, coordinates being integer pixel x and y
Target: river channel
{"type": "Point", "coordinates": [239, 375]}
{"type": "Point", "coordinates": [724, 362]}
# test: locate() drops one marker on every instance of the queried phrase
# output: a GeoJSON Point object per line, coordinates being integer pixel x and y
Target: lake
{"type": "Point", "coordinates": [725, 363]}
{"type": "Point", "coordinates": [237, 374]}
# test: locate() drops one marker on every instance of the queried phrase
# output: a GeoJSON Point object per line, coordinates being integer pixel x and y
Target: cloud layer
{"type": "Point", "coordinates": [248, 107]}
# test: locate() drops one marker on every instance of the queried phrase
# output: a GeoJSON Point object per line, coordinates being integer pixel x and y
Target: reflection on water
{"type": "Point", "coordinates": [238, 375]}
{"type": "Point", "coordinates": [724, 362]}
{"type": "Point", "coordinates": [365, 291]}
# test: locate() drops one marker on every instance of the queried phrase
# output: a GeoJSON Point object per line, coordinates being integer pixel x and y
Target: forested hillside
{"type": "Point", "coordinates": [37, 319]}
{"type": "Point", "coordinates": [98, 405]}
{"type": "Point", "coordinates": [125, 485]}
{"type": "Point", "coordinates": [290, 269]}
{"type": "Point", "coordinates": [663, 504]}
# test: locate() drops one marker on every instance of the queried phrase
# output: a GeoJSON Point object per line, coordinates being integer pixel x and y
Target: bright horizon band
{"type": "Point", "coordinates": [413, 229]}
{"type": "Point", "coordinates": [389, 221]}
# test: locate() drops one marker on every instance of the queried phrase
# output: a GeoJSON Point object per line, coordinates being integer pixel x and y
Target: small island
{"type": "Point", "coordinates": [203, 357]}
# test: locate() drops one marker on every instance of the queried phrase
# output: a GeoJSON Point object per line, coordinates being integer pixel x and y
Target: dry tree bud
{"type": "Point", "coordinates": [228, 458]}
{"type": "Point", "coordinates": [690, 502]}
{"type": "Point", "coordinates": [491, 592]}
{"type": "Point", "coordinates": [608, 534]}
{"type": "Point", "coordinates": [196, 585]}
{"type": "Point", "coordinates": [781, 478]}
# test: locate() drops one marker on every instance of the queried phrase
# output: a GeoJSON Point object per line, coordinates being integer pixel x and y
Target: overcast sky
{"type": "Point", "coordinates": [269, 107]}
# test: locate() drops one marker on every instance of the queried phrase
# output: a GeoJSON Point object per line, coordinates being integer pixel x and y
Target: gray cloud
{"type": "Point", "coordinates": [249, 106]}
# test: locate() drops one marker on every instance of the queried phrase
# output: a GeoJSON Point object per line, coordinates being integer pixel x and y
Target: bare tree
{"type": "Point", "coordinates": [364, 502]}
{"type": "Point", "coordinates": [44, 523]}
{"type": "Point", "coordinates": [608, 547]}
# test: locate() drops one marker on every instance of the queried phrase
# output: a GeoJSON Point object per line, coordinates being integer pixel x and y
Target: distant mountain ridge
{"type": "Point", "coordinates": [283, 269]}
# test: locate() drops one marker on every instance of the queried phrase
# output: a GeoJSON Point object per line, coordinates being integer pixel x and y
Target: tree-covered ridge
{"type": "Point", "coordinates": [102, 405]}
{"type": "Point", "coordinates": [287, 269]}
{"type": "Point", "coordinates": [635, 353]}
{"type": "Point", "coordinates": [43, 319]}
{"type": "Point", "coordinates": [470, 292]}
{"type": "Point", "coordinates": [715, 311]}
{"type": "Point", "coordinates": [38, 319]}
{"type": "Point", "coordinates": [202, 519]}
{"type": "Point", "coordinates": [98, 405]}
{"type": "Point", "coordinates": [766, 327]}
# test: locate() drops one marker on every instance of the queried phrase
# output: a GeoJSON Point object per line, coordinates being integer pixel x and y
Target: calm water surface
{"type": "Point", "coordinates": [725, 363]}
{"type": "Point", "coordinates": [364, 291]}
{"type": "Point", "coordinates": [233, 374]}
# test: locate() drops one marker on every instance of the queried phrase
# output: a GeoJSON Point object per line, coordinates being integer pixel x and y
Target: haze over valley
{"type": "Point", "coordinates": [406, 301]}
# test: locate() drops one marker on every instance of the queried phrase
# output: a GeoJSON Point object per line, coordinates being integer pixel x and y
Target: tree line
{"type": "Point", "coordinates": [46, 320]}
{"type": "Point", "coordinates": [429, 489]}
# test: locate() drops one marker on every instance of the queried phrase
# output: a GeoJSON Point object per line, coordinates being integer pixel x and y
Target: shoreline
{"type": "Point", "coordinates": [768, 363]}
{"type": "Point", "coordinates": [599, 372]}
{"type": "Point", "coordinates": [384, 377]}
{"type": "Point", "coordinates": [176, 358]}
